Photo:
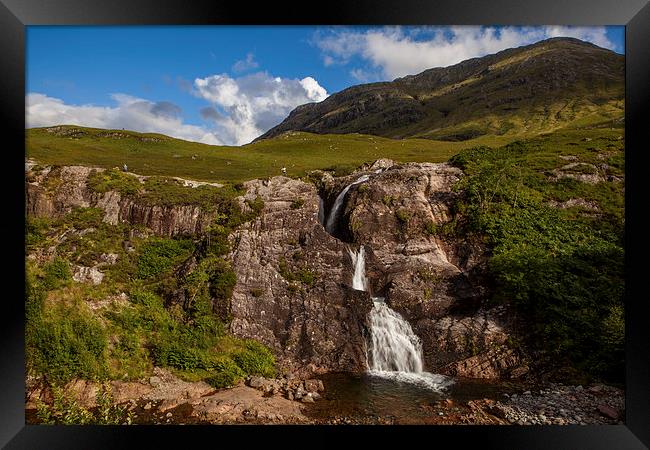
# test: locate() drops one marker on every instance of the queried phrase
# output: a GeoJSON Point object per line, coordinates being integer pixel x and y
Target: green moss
{"type": "Point", "coordinates": [388, 200]}
{"type": "Point", "coordinates": [257, 292]}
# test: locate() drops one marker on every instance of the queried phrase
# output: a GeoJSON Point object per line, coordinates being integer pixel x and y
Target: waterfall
{"type": "Point", "coordinates": [395, 351]}
{"type": "Point", "coordinates": [359, 280]}
{"type": "Point", "coordinates": [334, 213]}
{"type": "Point", "coordinates": [395, 348]}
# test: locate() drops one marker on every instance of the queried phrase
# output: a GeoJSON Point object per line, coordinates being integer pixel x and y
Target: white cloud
{"type": "Point", "coordinates": [246, 107]}
{"type": "Point", "coordinates": [245, 64]}
{"type": "Point", "coordinates": [130, 113]}
{"type": "Point", "coordinates": [396, 52]}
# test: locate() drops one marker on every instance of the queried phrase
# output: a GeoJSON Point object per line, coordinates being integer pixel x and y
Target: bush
{"type": "Point", "coordinates": [67, 343]}
{"type": "Point", "coordinates": [560, 269]}
{"type": "Point", "coordinates": [255, 359]}
{"type": "Point", "coordinates": [66, 411]}
{"type": "Point", "coordinates": [83, 218]}
{"type": "Point", "coordinates": [403, 216]}
{"type": "Point", "coordinates": [56, 273]}
{"type": "Point", "coordinates": [226, 373]}
{"type": "Point", "coordinates": [158, 255]}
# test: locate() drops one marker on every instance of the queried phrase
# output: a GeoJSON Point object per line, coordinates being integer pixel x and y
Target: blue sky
{"type": "Point", "coordinates": [227, 85]}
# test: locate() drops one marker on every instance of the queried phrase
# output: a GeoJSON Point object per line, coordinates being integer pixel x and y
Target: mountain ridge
{"type": "Point", "coordinates": [537, 87]}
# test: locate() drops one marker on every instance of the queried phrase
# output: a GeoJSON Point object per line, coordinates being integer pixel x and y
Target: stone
{"type": "Point", "coordinates": [154, 381]}
{"type": "Point", "coordinates": [147, 406]}
{"type": "Point", "coordinates": [313, 385]}
{"type": "Point", "coordinates": [307, 399]}
{"type": "Point", "coordinates": [608, 411]}
{"type": "Point", "coordinates": [92, 275]}
{"type": "Point", "coordinates": [256, 382]}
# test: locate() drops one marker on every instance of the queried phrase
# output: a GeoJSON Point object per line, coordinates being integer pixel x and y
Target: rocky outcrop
{"type": "Point", "coordinates": [293, 278]}
{"type": "Point", "coordinates": [434, 278]}
{"type": "Point", "coordinates": [293, 283]}
{"type": "Point", "coordinates": [293, 291]}
{"type": "Point", "coordinates": [54, 192]}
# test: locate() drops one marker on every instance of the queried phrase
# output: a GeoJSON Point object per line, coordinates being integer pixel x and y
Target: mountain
{"type": "Point", "coordinates": [524, 90]}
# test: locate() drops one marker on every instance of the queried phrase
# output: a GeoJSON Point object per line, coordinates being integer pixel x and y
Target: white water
{"type": "Point", "coordinates": [333, 215]}
{"type": "Point", "coordinates": [359, 280]}
{"type": "Point", "coordinates": [395, 351]}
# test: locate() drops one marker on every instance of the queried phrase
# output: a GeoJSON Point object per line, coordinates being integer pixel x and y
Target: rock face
{"type": "Point", "coordinates": [293, 278]}
{"type": "Point", "coordinates": [56, 191]}
{"type": "Point", "coordinates": [293, 290]}
{"type": "Point", "coordinates": [293, 283]}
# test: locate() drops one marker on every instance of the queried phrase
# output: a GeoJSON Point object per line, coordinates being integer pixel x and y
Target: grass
{"type": "Point", "coordinates": [166, 156]}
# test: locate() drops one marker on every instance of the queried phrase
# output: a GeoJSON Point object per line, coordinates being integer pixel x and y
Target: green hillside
{"type": "Point", "coordinates": [155, 154]}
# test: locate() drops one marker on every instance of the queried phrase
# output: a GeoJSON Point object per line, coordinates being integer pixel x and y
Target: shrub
{"type": "Point", "coordinates": [67, 343]}
{"type": "Point", "coordinates": [431, 228]}
{"type": "Point", "coordinates": [388, 200]}
{"type": "Point", "coordinates": [561, 270]}
{"type": "Point", "coordinates": [66, 411]}
{"type": "Point", "coordinates": [226, 373]}
{"type": "Point", "coordinates": [158, 255]}
{"type": "Point", "coordinates": [56, 273]}
{"type": "Point", "coordinates": [255, 359]}
{"type": "Point", "coordinates": [83, 218]}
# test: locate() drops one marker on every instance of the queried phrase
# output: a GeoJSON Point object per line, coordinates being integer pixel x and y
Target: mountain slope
{"type": "Point", "coordinates": [530, 89]}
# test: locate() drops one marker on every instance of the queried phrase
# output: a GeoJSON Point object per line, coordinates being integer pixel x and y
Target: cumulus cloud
{"type": "Point", "coordinates": [397, 51]}
{"type": "Point", "coordinates": [245, 107]}
{"type": "Point", "coordinates": [245, 64]}
{"type": "Point", "coordinates": [131, 113]}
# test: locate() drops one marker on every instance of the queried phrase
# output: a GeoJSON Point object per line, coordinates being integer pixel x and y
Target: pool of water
{"type": "Point", "coordinates": [369, 397]}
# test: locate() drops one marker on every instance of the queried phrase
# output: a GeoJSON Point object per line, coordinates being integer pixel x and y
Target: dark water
{"type": "Point", "coordinates": [369, 397]}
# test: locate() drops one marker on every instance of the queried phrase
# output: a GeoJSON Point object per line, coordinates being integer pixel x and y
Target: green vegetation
{"type": "Point", "coordinates": [561, 268]}
{"type": "Point", "coordinates": [62, 341]}
{"type": "Point", "coordinates": [113, 180]}
{"type": "Point", "coordinates": [65, 410]}
{"type": "Point", "coordinates": [67, 338]}
{"type": "Point", "coordinates": [159, 255]}
{"type": "Point", "coordinates": [403, 215]}
{"type": "Point", "coordinates": [154, 154]}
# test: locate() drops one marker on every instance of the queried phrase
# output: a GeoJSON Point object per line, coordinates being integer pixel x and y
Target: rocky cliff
{"type": "Point", "coordinates": [55, 191]}
{"type": "Point", "coordinates": [293, 290]}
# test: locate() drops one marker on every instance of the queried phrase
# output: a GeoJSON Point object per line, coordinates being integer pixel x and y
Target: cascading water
{"type": "Point", "coordinates": [395, 351]}
{"type": "Point", "coordinates": [334, 213]}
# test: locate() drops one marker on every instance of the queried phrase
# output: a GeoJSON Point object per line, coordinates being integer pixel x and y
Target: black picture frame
{"type": "Point", "coordinates": [16, 14]}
